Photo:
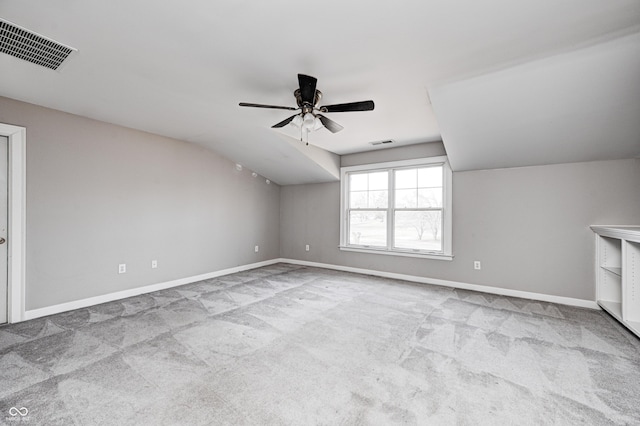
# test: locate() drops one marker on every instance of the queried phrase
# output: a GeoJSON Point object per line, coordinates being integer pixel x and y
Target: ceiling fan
{"type": "Point", "coordinates": [307, 98]}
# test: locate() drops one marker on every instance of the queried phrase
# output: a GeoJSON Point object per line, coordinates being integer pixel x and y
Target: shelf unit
{"type": "Point", "coordinates": [618, 273]}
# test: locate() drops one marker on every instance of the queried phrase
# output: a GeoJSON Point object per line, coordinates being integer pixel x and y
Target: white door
{"type": "Point", "coordinates": [4, 293]}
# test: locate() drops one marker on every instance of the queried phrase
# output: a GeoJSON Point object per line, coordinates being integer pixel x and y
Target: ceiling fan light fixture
{"type": "Point", "coordinates": [318, 124]}
{"type": "Point", "coordinates": [309, 122]}
{"type": "Point", "coordinates": [297, 121]}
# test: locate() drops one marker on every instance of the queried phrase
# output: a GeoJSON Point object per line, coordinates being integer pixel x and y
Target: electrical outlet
{"type": "Point", "coordinates": [306, 247]}
{"type": "Point", "coordinates": [154, 264]}
{"type": "Point", "coordinates": [477, 265]}
{"type": "Point", "coordinates": [257, 249]}
{"type": "Point", "coordinates": [122, 268]}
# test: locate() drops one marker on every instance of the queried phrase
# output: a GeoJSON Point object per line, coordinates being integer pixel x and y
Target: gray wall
{"type": "Point", "coordinates": [404, 152]}
{"type": "Point", "coordinates": [99, 195]}
{"type": "Point", "coordinates": [529, 226]}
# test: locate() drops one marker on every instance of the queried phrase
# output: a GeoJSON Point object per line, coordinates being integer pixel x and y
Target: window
{"type": "Point", "coordinates": [401, 208]}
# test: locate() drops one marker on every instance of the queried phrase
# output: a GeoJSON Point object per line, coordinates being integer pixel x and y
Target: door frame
{"type": "Point", "coordinates": [16, 231]}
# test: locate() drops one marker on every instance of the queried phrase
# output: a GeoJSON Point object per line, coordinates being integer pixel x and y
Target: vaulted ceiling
{"type": "Point", "coordinates": [502, 83]}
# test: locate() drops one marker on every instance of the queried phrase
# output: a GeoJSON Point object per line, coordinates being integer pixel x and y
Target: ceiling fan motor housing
{"type": "Point", "coordinates": [305, 106]}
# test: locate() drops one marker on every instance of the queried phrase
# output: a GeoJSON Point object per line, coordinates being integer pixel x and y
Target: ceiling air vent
{"type": "Point", "coordinates": [381, 142]}
{"type": "Point", "coordinates": [29, 46]}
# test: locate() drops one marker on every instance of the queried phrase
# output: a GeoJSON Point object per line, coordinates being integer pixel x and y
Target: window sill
{"type": "Point", "coordinates": [433, 256]}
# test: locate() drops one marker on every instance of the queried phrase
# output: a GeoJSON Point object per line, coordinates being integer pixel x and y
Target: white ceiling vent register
{"type": "Point", "coordinates": [29, 46]}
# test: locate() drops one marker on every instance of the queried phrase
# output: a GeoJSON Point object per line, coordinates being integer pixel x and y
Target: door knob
{"type": "Point", "coordinates": [2, 240]}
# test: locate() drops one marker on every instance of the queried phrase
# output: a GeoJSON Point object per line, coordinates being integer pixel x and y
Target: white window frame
{"type": "Point", "coordinates": [447, 249]}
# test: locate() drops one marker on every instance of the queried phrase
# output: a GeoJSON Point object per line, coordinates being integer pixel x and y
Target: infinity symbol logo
{"type": "Point", "coordinates": [15, 411]}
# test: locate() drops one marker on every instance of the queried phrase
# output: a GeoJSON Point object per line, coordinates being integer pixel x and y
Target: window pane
{"type": "Point", "coordinates": [358, 200]}
{"type": "Point", "coordinates": [406, 198]}
{"type": "Point", "coordinates": [368, 228]}
{"type": "Point", "coordinates": [369, 190]}
{"type": "Point", "coordinates": [430, 177]}
{"type": "Point", "coordinates": [358, 182]}
{"type": "Point", "coordinates": [431, 197]}
{"type": "Point", "coordinates": [378, 199]}
{"type": "Point", "coordinates": [406, 178]}
{"type": "Point", "coordinates": [418, 230]}
{"type": "Point", "coordinates": [378, 180]}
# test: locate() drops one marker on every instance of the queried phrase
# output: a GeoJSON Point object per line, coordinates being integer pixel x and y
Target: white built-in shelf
{"type": "Point", "coordinates": [614, 308]}
{"type": "Point", "coordinates": [629, 233]}
{"type": "Point", "coordinates": [634, 326]}
{"type": "Point", "coordinates": [618, 273]}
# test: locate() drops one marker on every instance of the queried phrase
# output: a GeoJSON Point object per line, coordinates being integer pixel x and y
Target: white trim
{"type": "Point", "coordinates": [422, 255]}
{"type": "Point", "coordinates": [91, 301]}
{"type": "Point", "coordinates": [455, 284]}
{"type": "Point", "coordinates": [83, 303]}
{"type": "Point", "coordinates": [16, 253]}
{"type": "Point", "coordinates": [447, 220]}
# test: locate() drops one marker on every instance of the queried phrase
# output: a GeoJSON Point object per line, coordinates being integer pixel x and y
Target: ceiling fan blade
{"type": "Point", "coordinates": [331, 125]}
{"type": "Point", "coordinates": [285, 121]}
{"type": "Point", "coordinates": [351, 106]}
{"type": "Point", "coordinates": [307, 88]}
{"type": "Point", "coordinates": [244, 104]}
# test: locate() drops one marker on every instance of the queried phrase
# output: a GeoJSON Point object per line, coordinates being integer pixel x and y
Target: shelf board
{"type": "Point", "coordinates": [614, 270]}
{"type": "Point", "coordinates": [614, 308]}
{"type": "Point", "coordinates": [630, 233]}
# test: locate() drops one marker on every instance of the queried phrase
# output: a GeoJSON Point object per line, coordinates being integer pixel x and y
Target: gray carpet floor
{"type": "Point", "coordinates": [294, 345]}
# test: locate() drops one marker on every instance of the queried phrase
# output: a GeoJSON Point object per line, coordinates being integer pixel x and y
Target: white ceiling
{"type": "Point", "coordinates": [579, 106]}
{"type": "Point", "coordinates": [515, 81]}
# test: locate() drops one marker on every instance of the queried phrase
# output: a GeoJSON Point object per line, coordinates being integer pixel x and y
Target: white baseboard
{"type": "Point", "coordinates": [582, 303]}
{"type": "Point", "coordinates": [91, 301]}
